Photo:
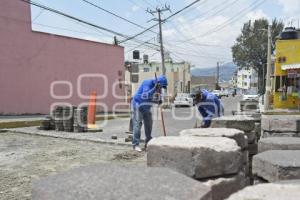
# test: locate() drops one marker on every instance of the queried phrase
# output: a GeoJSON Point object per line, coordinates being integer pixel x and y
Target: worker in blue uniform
{"type": "Point", "coordinates": [147, 94]}
{"type": "Point", "coordinates": [209, 106]}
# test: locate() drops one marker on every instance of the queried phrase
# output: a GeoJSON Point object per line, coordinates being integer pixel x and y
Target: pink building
{"type": "Point", "coordinates": [32, 62]}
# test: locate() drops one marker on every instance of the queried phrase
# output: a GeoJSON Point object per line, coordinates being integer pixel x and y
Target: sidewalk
{"type": "Point", "coordinates": [35, 120]}
{"type": "Point", "coordinates": [116, 127]}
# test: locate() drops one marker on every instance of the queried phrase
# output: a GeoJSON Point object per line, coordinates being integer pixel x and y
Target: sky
{"type": "Point", "coordinates": [202, 35]}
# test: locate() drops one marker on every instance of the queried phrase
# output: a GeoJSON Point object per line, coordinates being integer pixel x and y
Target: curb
{"type": "Point", "coordinates": [20, 124]}
{"type": "Point", "coordinates": [100, 141]}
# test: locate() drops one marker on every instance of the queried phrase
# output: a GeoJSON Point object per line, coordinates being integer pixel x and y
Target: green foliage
{"type": "Point", "coordinates": [251, 47]}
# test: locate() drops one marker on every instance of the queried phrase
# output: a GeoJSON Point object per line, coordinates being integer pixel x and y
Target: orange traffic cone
{"type": "Point", "coordinates": [92, 111]}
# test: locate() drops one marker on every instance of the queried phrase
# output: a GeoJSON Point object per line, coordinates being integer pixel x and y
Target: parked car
{"type": "Point", "coordinates": [217, 93]}
{"type": "Point", "coordinates": [183, 99]}
{"type": "Point", "coordinates": [224, 93]}
{"type": "Point", "coordinates": [221, 93]}
{"type": "Point", "coordinates": [250, 96]}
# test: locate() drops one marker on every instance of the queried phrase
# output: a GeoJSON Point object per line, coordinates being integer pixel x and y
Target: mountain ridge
{"type": "Point", "coordinates": [226, 71]}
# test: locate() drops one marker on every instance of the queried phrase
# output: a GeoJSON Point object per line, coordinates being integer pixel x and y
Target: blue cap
{"type": "Point", "coordinates": [162, 80]}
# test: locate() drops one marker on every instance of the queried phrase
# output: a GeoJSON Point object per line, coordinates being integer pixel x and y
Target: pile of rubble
{"type": "Point", "coordinates": [210, 164]}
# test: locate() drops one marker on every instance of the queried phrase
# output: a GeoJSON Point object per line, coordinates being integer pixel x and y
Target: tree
{"type": "Point", "coordinates": [250, 49]}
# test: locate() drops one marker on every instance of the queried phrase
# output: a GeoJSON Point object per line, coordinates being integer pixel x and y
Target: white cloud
{"type": "Point", "coordinates": [258, 14]}
{"type": "Point", "coordinates": [290, 7]}
{"type": "Point", "coordinates": [135, 8]}
{"type": "Point", "coordinates": [169, 33]}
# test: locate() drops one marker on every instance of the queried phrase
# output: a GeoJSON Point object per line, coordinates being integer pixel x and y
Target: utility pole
{"type": "Point", "coordinates": [218, 76]}
{"type": "Point", "coordinates": [268, 75]}
{"type": "Point", "coordinates": [159, 11]}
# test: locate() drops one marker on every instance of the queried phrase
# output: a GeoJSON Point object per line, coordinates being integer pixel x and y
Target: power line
{"type": "Point", "coordinates": [80, 20]}
{"type": "Point", "coordinates": [200, 44]}
{"type": "Point", "coordinates": [140, 46]}
{"type": "Point", "coordinates": [229, 21]}
{"type": "Point", "coordinates": [38, 15]}
{"type": "Point", "coordinates": [235, 18]}
{"type": "Point", "coordinates": [138, 5]}
{"type": "Point", "coordinates": [218, 11]}
{"type": "Point", "coordinates": [74, 18]}
{"type": "Point", "coordinates": [118, 16]}
{"type": "Point", "coordinates": [202, 56]}
{"type": "Point", "coordinates": [176, 13]}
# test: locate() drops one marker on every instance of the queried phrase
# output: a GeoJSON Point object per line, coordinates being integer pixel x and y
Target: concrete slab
{"type": "Point", "coordinates": [278, 143]}
{"type": "Point", "coordinates": [269, 191]}
{"type": "Point", "coordinates": [240, 122]}
{"type": "Point", "coordinates": [280, 123]}
{"type": "Point", "coordinates": [224, 187]}
{"type": "Point", "coordinates": [276, 165]}
{"type": "Point", "coordinates": [267, 134]}
{"type": "Point", "coordinates": [107, 181]}
{"type": "Point", "coordinates": [234, 134]}
{"type": "Point", "coordinates": [196, 157]}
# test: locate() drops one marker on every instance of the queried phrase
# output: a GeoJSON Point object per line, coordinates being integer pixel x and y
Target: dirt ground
{"type": "Point", "coordinates": [25, 158]}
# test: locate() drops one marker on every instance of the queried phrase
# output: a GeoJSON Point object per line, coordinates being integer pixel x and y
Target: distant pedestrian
{"type": "Point", "coordinates": [209, 106]}
{"type": "Point", "coordinates": [147, 94]}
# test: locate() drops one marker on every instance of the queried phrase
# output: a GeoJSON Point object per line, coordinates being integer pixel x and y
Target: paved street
{"type": "Point", "coordinates": [176, 119]}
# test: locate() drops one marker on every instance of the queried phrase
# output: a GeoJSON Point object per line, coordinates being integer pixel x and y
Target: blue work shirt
{"type": "Point", "coordinates": [143, 98]}
{"type": "Point", "coordinates": [210, 107]}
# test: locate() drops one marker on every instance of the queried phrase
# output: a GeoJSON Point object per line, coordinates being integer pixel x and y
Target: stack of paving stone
{"type": "Point", "coordinates": [273, 164]}
{"type": "Point", "coordinates": [280, 126]}
{"type": "Point", "coordinates": [215, 161]}
{"type": "Point", "coordinates": [251, 128]}
{"type": "Point", "coordinates": [68, 118]}
{"type": "Point", "coordinates": [80, 119]}
{"type": "Point", "coordinates": [58, 118]}
{"type": "Point", "coordinates": [283, 190]}
{"type": "Point", "coordinates": [47, 124]}
{"type": "Point", "coordinates": [110, 181]}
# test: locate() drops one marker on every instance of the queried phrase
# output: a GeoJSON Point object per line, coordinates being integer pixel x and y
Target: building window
{"type": "Point", "coordinates": [146, 69]}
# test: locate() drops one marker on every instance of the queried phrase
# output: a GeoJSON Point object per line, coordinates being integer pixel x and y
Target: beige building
{"type": "Point", "coordinates": [203, 82]}
{"type": "Point", "coordinates": [178, 75]}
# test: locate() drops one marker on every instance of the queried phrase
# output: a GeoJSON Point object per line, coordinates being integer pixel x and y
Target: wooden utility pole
{"type": "Point", "coordinates": [159, 11]}
{"type": "Point", "coordinates": [218, 76]}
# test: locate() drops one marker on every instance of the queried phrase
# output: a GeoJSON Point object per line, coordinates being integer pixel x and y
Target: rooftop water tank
{"type": "Point", "coordinates": [289, 33]}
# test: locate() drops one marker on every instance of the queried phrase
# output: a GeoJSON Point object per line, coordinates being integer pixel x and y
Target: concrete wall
{"type": "Point", "coordinates": [31, 61]}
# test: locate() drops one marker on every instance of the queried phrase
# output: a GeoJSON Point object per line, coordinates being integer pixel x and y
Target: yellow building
{"type": "Point", "coordinates": [286, 81]}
